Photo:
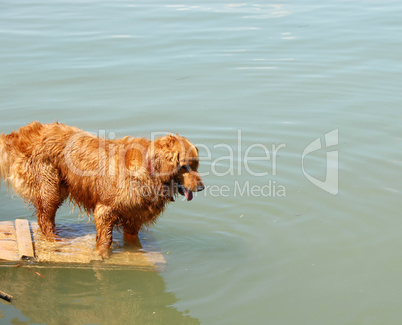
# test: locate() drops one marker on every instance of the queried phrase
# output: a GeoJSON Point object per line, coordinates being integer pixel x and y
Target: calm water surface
{"type": "Point", "coordinates": [296, 109]}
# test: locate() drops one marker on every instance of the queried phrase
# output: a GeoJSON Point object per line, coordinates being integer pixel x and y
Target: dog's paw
{"type": "Point", "coordinates": [132, 240]}
{"type": "Point", "coordinates": [53, 238]}
{"type": "Point", "coordinates": [103, 252]}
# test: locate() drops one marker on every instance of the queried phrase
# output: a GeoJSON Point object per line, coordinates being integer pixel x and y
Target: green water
{"type": "Point", "coordinates": [295, 107]}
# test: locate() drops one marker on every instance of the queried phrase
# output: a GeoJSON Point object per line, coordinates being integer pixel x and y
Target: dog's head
{"type": "Point", "coordinates": [174, 159]}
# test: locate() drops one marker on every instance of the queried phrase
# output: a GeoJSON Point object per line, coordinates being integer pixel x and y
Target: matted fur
{"type": "Point", "coordinates": [125, 182]}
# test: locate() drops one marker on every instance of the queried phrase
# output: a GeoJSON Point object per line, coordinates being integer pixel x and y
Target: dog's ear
{"type": "Point", "coordinates": [164, 157]}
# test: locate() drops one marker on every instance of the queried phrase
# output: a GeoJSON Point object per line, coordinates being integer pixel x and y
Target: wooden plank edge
{"type": "Point", "coordinates": [24, 239]}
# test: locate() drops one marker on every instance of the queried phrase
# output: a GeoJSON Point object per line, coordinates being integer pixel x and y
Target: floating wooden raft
{"type": "Point", "coordinates": [21, 239]}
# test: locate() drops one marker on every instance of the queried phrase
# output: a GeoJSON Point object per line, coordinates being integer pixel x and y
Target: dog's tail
{"type": "Point", "coordinates": [4, 160]}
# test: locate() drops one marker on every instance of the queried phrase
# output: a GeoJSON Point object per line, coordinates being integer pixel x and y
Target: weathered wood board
{"type": "Point", "coordinates": [8, 242]}
{"type": "Point", "coordinates": [23, 240]}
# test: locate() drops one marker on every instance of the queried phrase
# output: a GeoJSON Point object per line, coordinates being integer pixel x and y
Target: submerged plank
{"type": "Point", "coordinates": [76, 246]}
{"type": "Point", "coordinates": [24, 239]}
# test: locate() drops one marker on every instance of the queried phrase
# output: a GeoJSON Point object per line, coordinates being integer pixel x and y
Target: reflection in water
{"type": "Point", "coordinates": [90, 296]}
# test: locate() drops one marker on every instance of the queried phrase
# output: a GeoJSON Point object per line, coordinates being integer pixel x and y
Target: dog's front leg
{"type": "Point", "coordinates": [130, 232]}
{"type": "Point", "coordinates": [104, 221]}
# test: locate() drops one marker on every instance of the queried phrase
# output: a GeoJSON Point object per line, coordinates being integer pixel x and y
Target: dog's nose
{"type": "Point", "coordinates": [200, 187]}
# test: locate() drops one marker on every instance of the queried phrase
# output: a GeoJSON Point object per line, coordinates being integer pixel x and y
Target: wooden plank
{"type": "Point", "coordinates": [8, 244]}
{"type": "Point", "coordinates": [7, 230]}
{"type": "Point", "coordinates": [9, 250]}
{"type": "Point", "coordinates": [76, 247]}
{"type": "Point", "coordinates": [24, 239]}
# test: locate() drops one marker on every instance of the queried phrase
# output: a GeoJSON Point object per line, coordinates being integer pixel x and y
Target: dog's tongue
{"type": "Point", "coordinates": [188, 194]}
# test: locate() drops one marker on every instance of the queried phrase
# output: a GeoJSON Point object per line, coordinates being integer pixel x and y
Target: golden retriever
{"type": "Point", "coordinates": [124, 182]}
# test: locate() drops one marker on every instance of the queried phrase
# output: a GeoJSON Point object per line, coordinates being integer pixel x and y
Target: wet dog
{"type": "Point", "coordinates": [125, 182]}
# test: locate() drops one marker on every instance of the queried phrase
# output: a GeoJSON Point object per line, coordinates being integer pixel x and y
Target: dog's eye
{"type": "Point", "coordinates": [186, 168]}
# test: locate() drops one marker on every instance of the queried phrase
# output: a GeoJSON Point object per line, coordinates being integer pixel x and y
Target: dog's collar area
{"type": "Point", "coordinates": [148, 163]}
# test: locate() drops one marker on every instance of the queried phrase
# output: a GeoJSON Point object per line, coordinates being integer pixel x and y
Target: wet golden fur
{"type": "Point", "coordinates": [125, 182]}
